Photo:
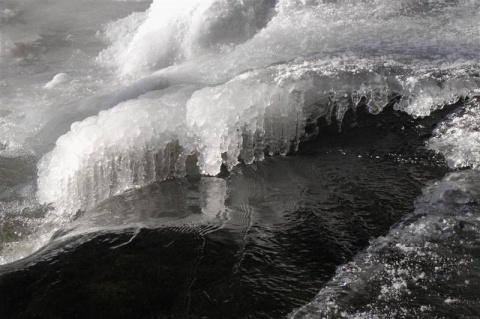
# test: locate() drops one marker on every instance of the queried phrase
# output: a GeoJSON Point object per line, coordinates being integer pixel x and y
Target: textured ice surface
{"type": "Point", "coordinates": [233, 80]}
{"type": "Point", "coordinates": [427, 266]}
{"type": "Point", "coordinates": [458, 137]}
{"type": "Point", "coordinates": [328, 57]}
{"type": "Point", "coordinates": [133, 144]}
{"type": "Point", "coordinates": [265, 110]}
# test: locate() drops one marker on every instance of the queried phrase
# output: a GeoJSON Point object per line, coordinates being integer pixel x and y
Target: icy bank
{"type": "Point", "coordinates": [458, 137]}
{"type": "Point", "coordinates": [256, 113]}
{"type": "Point", "coordinates": [426, 266]}
{"type": "Point", "coordinates": [238, 80]}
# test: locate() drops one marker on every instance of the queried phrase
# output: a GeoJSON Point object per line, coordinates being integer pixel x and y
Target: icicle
{"type": "Point", "coordinates": [356, 98]}
{"type": "Point", "coordinates": [377, 99]}
{"type": "Point", "coordinates": [342, 107]}
{"type": "Point", "coordinates": [332, 102]}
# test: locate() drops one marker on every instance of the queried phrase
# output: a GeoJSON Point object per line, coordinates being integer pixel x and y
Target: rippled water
{"type": "Point", "coordinates": [259, 242]}
{"type": "Point", "coordinates": [224, 158]}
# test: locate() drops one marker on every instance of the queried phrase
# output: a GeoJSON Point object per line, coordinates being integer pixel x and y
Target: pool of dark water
{"type": "Point", "coordinates": [257, 242]}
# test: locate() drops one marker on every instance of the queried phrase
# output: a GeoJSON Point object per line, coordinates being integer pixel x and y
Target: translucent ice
{"type": "Point", "coordinates": [230, 81]}
{"type": "Point", "coordinates": [130, 145]}
{"type": "Point", "coordinates": [257, 112]}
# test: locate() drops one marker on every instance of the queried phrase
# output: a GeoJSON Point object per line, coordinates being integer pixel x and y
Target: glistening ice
{"type": "Point", "coordinates": [111, 96]}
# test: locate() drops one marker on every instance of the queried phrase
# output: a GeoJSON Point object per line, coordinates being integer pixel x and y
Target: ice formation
{"type": "Point", "coordinates": [233, 114]}
{"type": "Point", "coordinates": [258, 112]}
{"type": "Point", "coordinates": [458, 137]}
{"type": "Point", "coordinates": [221, 81]}
{"type": "Point", "coordinates": [130, 145]}
{"type": "Point", "coordinates": [428, 258]}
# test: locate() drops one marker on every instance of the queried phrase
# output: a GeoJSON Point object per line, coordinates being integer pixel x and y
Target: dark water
{"type": "Point", "coordinates": [276, 233]}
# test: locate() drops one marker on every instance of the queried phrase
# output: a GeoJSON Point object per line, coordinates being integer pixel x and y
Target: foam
{"type": "Point", "coordinates": [175, 31]}
{"type": "Point", "coordinates": [414, 32]}
{"type": "Point", "coordinates": [58, 80]}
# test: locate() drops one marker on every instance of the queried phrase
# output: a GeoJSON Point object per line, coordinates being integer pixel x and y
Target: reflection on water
{"type": "Point", "coordinates": [257, 243]}
{"type": "Point", "coordinates": [244, 78]}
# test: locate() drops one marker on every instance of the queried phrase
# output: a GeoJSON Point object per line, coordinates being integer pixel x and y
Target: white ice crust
{"type": "Point", "coordinates": [458, 137]}
{"type": "Point", "coordinates": [258, 71]}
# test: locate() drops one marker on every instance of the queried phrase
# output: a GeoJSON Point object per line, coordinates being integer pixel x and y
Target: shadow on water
{"type": "Point", "coordinates": [255, 244]}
